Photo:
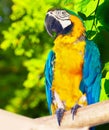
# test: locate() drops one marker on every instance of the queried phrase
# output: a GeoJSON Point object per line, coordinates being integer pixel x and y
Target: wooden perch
{"type": "Point", "coordinates": [86, 117]}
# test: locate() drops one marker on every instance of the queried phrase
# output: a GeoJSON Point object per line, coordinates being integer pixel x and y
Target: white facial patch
{"type": "Point", "coordinates": [65, 23]}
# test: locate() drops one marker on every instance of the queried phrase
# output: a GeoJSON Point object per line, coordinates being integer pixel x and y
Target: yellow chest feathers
{"type": "Point", "coordinates": [68, 70]}
{"type": "Point", "coordinates": [69, 56]}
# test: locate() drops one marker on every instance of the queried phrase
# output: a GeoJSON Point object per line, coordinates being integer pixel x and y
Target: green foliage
{"type": "Point", "coordinates": [25, 46]}
{"type": "Point", "coordinates": [102, 14]}
{"type": "Point", "coordinates": [105, 88]}
{"type": "Point", "coordinates": [106, 67]}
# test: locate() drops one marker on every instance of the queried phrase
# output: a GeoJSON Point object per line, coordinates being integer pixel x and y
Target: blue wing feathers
{"type": "Point", "coordinates": [90, 83]}
{"type": "Point", "coordinates": [49, 77]}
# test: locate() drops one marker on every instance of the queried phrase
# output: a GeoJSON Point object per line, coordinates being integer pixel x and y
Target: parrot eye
{"type": "Point", "coordinates": [62, 14]}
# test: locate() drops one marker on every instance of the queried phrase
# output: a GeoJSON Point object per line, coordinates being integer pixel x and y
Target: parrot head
{"type": "Point", "coordinates": [63, 22]}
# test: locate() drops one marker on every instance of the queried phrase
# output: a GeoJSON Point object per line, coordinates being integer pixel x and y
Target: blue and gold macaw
{"type": "Point", "coordinates": [73, 68]}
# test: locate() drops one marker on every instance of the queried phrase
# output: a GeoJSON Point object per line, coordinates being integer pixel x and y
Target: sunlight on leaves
{"type": "Point", "coordinates": [105, 88]}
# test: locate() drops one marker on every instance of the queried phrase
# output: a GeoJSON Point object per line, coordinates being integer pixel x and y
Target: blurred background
{"type": "Point", "coordinates": [24, 45]}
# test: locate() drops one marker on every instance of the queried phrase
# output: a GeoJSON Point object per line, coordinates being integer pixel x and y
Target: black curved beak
{"type": "Point", "coordinates": [52, 25]}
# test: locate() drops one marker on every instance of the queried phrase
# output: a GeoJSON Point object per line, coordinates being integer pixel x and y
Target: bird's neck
{"type": "Point", "coordinates": [67, 40]}
{"type": "Point", "coordinates": [77, 33]}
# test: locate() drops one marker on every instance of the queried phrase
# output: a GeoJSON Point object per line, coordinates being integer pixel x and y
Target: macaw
{"type": "Point", "coordinates": [73, 67]}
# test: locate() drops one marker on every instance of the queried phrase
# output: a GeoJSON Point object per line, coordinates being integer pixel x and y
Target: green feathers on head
{"type": "Point", "coordinates": [73, 13]}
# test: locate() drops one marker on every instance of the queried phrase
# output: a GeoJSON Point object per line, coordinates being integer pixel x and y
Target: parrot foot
{"type": "Point", "coordinates": [74, 110]}
{"type": "Point", "coordinates": [60, 114]}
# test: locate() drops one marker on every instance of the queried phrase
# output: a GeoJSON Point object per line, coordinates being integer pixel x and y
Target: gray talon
{"type": "Point", "coordinates": [74, 110]}
{"type": "Point", "coordinates": [59, 114]}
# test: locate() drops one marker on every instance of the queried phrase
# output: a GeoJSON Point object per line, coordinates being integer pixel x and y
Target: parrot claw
{"type": "Point", "coordinates": [74, 110]}
{"type": "Point", "coordinates": [59, 114]}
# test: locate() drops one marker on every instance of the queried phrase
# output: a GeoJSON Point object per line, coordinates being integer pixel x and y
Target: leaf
{"type": "Point", "coordinates": [104, 95]}
{"type": "Point", "coordinates": [82, 15]}
{"type": "Point", "coordinates": [90, 17]}
{"type": "Point", "coordinates": [106, 66]}
{"type": "Point", "coordinates": [107, 75]}
{"type": "Point", "coordinates": [91, 33]}
{"type": "Point", "coordinates": [102, 14]}
{"type": "Point", "coordinates": [106, 87]}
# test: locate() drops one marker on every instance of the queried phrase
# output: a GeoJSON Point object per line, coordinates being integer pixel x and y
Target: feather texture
{"type": "Point", "coordinates": [49, 77]}
{"type": "Point", "coordinates": [90, 83]}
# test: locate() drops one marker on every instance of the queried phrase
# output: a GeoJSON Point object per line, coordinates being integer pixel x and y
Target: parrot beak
{"type": "Point", "coordinates": [52, 25]}
{"type": "Point", "coordinates": [49, 20]}
{"type": "Point", "coordinates": [55, 25]}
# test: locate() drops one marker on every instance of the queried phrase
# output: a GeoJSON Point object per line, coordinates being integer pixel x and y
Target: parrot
{"type": "Point", "coordinates": [73, 66]}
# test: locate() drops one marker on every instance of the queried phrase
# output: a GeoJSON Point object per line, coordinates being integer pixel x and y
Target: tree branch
{"type": "Point", "coordinates": [86, 117]}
